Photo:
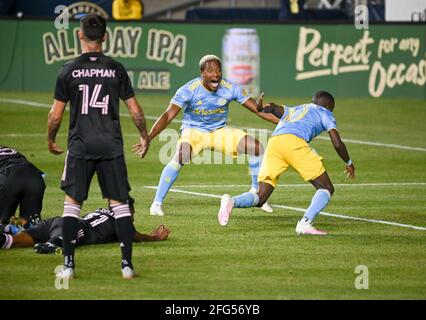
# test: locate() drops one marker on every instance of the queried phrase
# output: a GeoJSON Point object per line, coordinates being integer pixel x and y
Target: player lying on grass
{"type": "Point", "coordinates": [204, 102]}
{"type": "Point", "coordinates": [288, 147]}
{"type": "Point", "coordinates": [97, 227]}
{"type": "Point", "coordinates": [21, 185]}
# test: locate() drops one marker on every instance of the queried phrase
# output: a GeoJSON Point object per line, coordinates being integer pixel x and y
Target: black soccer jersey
{"type": "Point", "coordinates": [93, 84]}
{"type": "Point", "coordinates": [10, 157]}
{"type": "Point", "coordinates": [97, 227]}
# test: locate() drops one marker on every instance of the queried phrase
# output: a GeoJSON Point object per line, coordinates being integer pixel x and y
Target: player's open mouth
{"type": "Point", "coordinates": [214, 83]}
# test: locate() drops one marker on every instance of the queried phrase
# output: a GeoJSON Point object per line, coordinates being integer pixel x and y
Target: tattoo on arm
{"type": "Point", "coordinates": [53, 127]}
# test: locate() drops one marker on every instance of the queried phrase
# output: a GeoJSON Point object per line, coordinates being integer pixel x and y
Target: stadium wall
{"type": "Point", "coordinates": [294, 59]}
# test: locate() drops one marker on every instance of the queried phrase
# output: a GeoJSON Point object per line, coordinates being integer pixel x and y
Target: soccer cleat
{"type": "Point", "coordinates": [65, 273]}
{"type": "Point", "coordinates": [48, 248]}
{"type": "Point", "coordinates": [266, 206]}
{"type": "Point", "coordinates": [226, 205]}
{"type": "Point", "coordinates": [156, 209]}
{"type": "Point", "coordinates": [128, 273]}
{"type": "Point", "coordinates": [305, 227]}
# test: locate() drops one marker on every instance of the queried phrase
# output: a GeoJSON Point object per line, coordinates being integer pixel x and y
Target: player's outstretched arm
{"type": "Point", "coordinates": [341, 150]}
{"type": "Point", "coordinates": [159, 234]}
{"type": "Point", "coordinates": [254, 107]}
{"type": "Point", "coordinates": [136, 112]}
{"type": "Point", "coordinates": [53, 124]}
{"type": "Point", "coordinates": [164, 120]}
{"type": "Point", "coordinates": [276, 110]}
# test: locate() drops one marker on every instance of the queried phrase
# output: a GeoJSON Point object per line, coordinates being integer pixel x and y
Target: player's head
{"type": "Point", "coordinates": [93, 28]}
{"type": "Point", "coordinates": [324, 99]}
{"type": "Point", "coordinates": [211, 71]}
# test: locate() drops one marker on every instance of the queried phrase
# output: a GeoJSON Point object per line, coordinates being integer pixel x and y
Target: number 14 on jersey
{"type": "Point", "coordinates": [92, 101]}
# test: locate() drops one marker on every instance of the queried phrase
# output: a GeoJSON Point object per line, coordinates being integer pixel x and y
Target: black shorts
{"type": "Point", "coordinates": [46, 230]}
{"type": "Point", "coordinates": [23, 186]}
{"type": "Point", "coordinates": [112, 178]}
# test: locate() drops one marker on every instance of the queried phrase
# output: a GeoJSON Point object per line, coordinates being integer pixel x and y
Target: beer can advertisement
{"type": "Point", "coordinates": [241, 58]}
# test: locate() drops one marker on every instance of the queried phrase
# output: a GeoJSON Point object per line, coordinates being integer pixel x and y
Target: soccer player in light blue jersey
{"type": "Point", "coordinates": [204, 102]}
{"type": "Point", "coordinates": [288, 147]}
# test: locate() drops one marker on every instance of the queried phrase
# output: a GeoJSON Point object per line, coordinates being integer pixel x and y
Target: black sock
{"type": "Point", "coordinates": [2, 240]}
{"type": "Point", "coordinates": [125, 232]}
{"type": "Point", "coordinates": [69, 233]}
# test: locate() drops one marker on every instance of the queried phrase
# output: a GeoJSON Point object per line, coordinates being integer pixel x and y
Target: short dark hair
{"type": "Point", "coordinates": [93, 26]}
{"type": "Point", "coordinates": [324, 99]}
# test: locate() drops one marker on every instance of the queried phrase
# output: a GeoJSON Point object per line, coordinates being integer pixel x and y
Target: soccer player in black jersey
{"type": "Point", "coordinates": [96, 227]}
{"type": "Point", "coordinates": [93, 84]}
{"type": "Point", "coordinates": [21, 184]}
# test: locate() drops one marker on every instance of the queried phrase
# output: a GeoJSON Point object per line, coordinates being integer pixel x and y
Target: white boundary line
{"type": "Point", "coordinates": [303, 210]}
{"type": "Point", "coordinates": [369, 143]}
{"type": "Point", "coordinates": [302, 185]}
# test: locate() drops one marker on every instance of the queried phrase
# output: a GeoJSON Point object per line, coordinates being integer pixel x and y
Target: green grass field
{"type": "Point", "coordinates": [258, 255]}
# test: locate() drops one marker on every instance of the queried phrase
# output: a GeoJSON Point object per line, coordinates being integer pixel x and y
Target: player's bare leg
{"type": "Point", "coordinates": [245, 200]}
{"type": "Point", "coordinates": [22, 240]}
{"type": "Point", "coordinates": [325, 190]}
{"type": "Point", "coordinates": [254, 149]}
{"type": "Point", "coordinates": [169, 176]}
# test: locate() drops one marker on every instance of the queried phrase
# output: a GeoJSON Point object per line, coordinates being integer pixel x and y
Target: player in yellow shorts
{"type": "Point", "coordinates": [288, 147]}
{"type": "Point", "coordinates": [204, 102]}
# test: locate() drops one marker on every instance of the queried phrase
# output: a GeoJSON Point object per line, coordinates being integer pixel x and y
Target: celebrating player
{"type": "Point", "coordinates": [93, 83]}
{"type": "Point", "coordinates": [204, 101]}
{"type": "Point", "coordinates": [288, 147]}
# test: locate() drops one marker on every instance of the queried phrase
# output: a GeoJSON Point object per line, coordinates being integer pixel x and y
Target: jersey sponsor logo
{"type": "Point", "coordinates": [204, 112]}
{"type": "Point", "coordinates": [93, 73]}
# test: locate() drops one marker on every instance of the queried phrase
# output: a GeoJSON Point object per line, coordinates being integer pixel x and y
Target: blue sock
{"type": "Point", "coordinates": [319, 202]}
{"type": "Point", "coordinates": [246, 200]}
{"type": "Point", "coordinates": [168, 177]}
{"type": "Point", "coordinates": [254, 166]}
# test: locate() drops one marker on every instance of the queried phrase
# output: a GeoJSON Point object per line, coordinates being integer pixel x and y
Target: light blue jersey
{"type": "Point", "coordinates": [206, 110]}
{"type": "Point", "coordinates": [305, 121]}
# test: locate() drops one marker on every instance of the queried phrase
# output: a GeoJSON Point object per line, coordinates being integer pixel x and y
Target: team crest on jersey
{"type": "Point", "coordinates": [221, 102]}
